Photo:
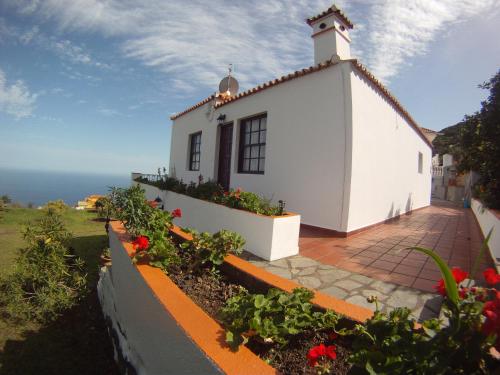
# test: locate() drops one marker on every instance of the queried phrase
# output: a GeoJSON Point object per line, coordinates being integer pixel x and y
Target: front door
{"type": "Point", "coordinates": [225, 147]}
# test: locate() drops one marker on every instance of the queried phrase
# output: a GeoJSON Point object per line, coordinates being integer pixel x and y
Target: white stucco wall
{"type": "Point", "coordinates": [147, 336]}
{"type": "Point", "coordinates": [385, 181]}
{"type": "Point", "coordinates": [305, 145]}
{"type": "Point", "coordinates": [268, 237]}
{"type": "Point", "coordinates": [488, 221]}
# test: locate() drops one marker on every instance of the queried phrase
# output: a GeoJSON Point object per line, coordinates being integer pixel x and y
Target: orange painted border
{"type": "Point", "coordinates": [198, 325]}
{"type": "Point", "coordinates": [353, 312]}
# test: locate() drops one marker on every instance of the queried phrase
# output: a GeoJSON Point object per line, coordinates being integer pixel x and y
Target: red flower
{"type": "Point", "coordinates": [333, 336]}
{"type": "Point", "coordinates": [491, 276]}
{"type": "Point", "coordinates": [177, 213]}
{"type": "Point", "coordinates": [491, 310]}
{"type": "Point", "coordinates": [141, 243]}
{"type": "Point", "coordinates": [440, 288]}
{"type": "Point", "coordinates": [462, 293]}
{"type": "Point", "coordinates": [459, 276]}
{"type": "Point", "coordinates": [320, 351]}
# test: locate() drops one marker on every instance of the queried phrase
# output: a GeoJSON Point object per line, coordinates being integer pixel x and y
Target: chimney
{"type": "Point", "coordinates": [330, 35]}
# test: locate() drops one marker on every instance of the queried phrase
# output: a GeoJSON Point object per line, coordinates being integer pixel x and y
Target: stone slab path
{"type": "Point", "coordinates": [350, 286]}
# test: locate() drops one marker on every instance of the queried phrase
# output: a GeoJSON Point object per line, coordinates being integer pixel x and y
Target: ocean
{"type": "Point", "coordinates": [39, 187]}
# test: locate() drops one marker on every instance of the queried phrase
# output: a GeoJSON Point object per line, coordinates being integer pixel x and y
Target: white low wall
{"type": "Point", "coordinates": [268, 237]}
{"type": "Point", "coordinates": [146, 336]}
{"type": "Point", "coordinates": [488, 220]}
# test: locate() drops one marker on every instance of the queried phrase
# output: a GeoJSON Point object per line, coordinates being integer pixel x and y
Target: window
{"type": "Point", "coordinates": [420, 162]}
{"type": "Point", "coordinates": [253, 145]}
{"type": "Point", "coordinates": [194, 151]}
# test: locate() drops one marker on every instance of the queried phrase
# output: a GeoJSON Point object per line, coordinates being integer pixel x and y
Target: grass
{"type": "Point", "coordinates": [77, 343]}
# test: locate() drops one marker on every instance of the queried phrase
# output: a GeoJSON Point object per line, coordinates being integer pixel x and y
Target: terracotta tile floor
{"type": "Point", "coordinates": [382, 253]}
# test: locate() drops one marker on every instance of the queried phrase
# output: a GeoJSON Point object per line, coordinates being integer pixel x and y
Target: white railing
{"type": "Point", "coordinates": [437, 171]}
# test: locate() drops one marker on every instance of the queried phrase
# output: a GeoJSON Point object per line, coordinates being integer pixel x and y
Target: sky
{"type": "Point", "coordinates": [89, 85]}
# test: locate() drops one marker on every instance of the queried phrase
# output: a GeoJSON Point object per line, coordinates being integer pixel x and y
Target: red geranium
{"type": "Point", "coordinates": [491, 310]}
{"type": "Point", "coordinates": [141, 243]}
{"type": "Point", "coordinates": [491, 276]}
{"type": "Point", "coordinates": [321, 351]}
{"type": "Point", "coordinates": [177, 213]}
{"type": "Point", "coordinates": [459, 276]}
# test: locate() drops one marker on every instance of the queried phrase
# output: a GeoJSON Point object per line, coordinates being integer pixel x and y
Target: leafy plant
{"type": "Point", "coordinates": [475, 144]}
{"type": "Point", "coordinates": [46, 278]}
{"type": "Point", "coordinates": [245, 200]}
{"type": "Point", "coordinates": [138, 217]}
{"type": "Point", "coordinates": [5, 199]}
{"type": "Point", "coordinates": [211, 249]}
{"type": "Point", "coordinates": [58, 206]}
{"type": "Point", "coordinates": [273, 317]}
{"type": "Point", "coordinates": [212, 191]}
{"type": "Point", "coordinates": [391, 344]}
{"type": "Point", "coordinates": [104, 207]}
{"type": "Point", "coordinates": [158, 250]}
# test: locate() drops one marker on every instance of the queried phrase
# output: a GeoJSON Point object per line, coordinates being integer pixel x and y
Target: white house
{"type": "Point", "coordinates": [329, 140]}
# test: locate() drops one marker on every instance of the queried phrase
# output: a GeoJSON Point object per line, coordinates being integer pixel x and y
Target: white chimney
{"type": "Point", "coordinates": [330, 35]}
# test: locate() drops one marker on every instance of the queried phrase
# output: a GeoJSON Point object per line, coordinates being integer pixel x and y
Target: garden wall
{"type": "Point", "coordinates": [489, 219]}
{"type": "Point", "coordinates": [269, 237]}
{"type": "Point", "coordinates": [145, 334]}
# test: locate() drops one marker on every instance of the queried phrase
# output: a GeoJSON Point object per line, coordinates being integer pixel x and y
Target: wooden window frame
{"type": "Point", "coordinates": [193, 152]}
{"type": "Point", "coordinates": [259, 144]}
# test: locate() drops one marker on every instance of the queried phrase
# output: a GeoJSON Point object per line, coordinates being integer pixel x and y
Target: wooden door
{"type": "Point", "coordinates": [225, 149]}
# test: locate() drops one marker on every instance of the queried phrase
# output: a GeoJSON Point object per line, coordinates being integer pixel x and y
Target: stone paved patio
{"type": "Point", "coordinates": [381, 253]}
{"type": "Point", "coordinates": [350, 286]}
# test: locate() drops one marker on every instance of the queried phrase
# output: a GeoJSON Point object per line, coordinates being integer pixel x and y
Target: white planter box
{"type": "Point", "coordinates": [488, 220]}
{"type": "Point", "coordinates": [269, 237]}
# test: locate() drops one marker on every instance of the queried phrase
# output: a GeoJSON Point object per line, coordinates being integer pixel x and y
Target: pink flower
{"type": "Point", "coordinates": [491, 276]}
{"type": "Point", "coordinates": [177, 213]}
{"type": "Point", "coordinates": [141, 243]}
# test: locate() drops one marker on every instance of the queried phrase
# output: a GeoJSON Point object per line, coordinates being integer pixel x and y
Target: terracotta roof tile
{"type": "Point", "coordinates": [332, 9]}
{"type": "Point", "coordinates": [193, 107]}
{"type": "Point", "coordinates": [276, 81]}
{"type": "Point", "coordinates": [425, 130]}
{"type": "Point", "coordinates": [299, 73]}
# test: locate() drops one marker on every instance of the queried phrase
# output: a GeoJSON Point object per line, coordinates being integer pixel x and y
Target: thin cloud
{"type": "Point", "coordinates": [16, 99]}
{"type": "Point", "coordinates": [400, 30]}
{"type": "Point", "coordinates": [194, 41]}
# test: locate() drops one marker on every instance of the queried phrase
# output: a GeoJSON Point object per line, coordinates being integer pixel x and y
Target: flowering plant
{"type": "Point", "coordinates": [391, 343]}
{"type": "Point", "coordinates": [320, 356]}
{"type": "Point", "coordinates": [141, 243]}
{"type": "Point", "coordinates": [176, 213]}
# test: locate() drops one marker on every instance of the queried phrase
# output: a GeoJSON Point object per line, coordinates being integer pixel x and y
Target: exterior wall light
{"type": "Point", "coordinates": [281, 206]}
{"type": "Point", "coordinates": [221, 119]}
{"type": "Point", "coordinates": [159, 201]}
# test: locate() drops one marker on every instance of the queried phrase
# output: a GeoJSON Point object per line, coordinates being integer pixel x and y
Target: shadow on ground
{"type": "Point", "coordinates": [77, 342]}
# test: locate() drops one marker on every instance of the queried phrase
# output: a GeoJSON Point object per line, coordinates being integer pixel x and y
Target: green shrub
{"type": "Point", "coordinates": [104, 207]}
{"type": "Point", "coordinates": [58, 206]}
{"type": "Point", "coordinates": [46, 278]}
{"type": "Point", "coordinates": [273, 317]}
{"type": "Point", "coordinates": [5, 199]}
{"type": "Point", "coordinates": [130, 206]}
{"type": "Point", "coordinates": [211, 249]}
{"type": "Point", "coordinates": [245, 200]}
